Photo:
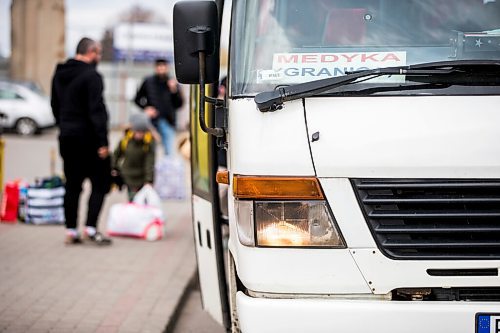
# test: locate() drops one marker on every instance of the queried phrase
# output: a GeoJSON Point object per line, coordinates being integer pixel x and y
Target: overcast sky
{"type": "Point", "coordinates": [85, 18]}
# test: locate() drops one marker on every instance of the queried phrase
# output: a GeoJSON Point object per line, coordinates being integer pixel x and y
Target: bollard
{"type": "Point", "coordinates": [52, 161]}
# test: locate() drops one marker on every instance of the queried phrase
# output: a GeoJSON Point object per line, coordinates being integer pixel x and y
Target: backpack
{"type": "Point", "coordinates": [129, 134]}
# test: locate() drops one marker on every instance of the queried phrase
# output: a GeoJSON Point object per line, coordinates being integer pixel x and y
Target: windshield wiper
{"type": "Point", "coordinates": [386, 89]}
{"type": "Point", "coordinates": [273, 100]}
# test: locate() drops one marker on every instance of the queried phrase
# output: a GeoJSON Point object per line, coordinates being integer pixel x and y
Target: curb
{"type": "Point", "coordinates": [188, 288]}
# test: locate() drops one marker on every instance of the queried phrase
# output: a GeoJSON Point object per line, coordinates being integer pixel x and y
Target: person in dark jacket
{"type": "Point", "coordinates": [80, 113]}
{"type": "Point", "coordinates": [134, 157]}
{"type": "Point", "coordinates": [159, 96]}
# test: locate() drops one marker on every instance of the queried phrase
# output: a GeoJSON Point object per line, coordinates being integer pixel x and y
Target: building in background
{"type": "Point", "coordinates": [141, 42]}
{"type": "Point", "coordinates": [138, 35]}
{"type": "Point", "coordinates": [4, 68]}
{"type": "Point", "coordinates": [37, 40]}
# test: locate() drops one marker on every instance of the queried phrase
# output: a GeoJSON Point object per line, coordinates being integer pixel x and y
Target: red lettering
{"type": "Point", "coordinates": [371, 57]}
{"type": "Point", "coordinates": [329, 58]}
{"type": "Point", "coordinates": [282, 58]}
{"type": "Point", "coordinates": [308, 58]}
{"type": "Point", "coordinates": [350, 58]}
{"type": "Point", "coordinates": [391, 57]}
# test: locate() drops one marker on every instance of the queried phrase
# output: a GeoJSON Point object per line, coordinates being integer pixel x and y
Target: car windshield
{"type": "Point", "coordinates": [33, 87]}
{"type": "Point", "coordinates": [285, 42]}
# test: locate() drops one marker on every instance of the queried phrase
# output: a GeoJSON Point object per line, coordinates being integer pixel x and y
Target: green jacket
{"type": "Point", "coordinates": [135, 159]}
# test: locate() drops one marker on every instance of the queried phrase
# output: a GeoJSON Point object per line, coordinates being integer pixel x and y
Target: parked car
{"type": "Point", "coordinates": [27, 110]}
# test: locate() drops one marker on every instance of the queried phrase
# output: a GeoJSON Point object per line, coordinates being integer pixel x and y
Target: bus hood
{"type": "Point", "coordinates": [405, 137]}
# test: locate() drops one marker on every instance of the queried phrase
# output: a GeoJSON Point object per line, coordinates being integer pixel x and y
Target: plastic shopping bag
{"type": "Point", "coordinates": [133, 220]}
{"type": "Point", "coordinates": [170, 180]}
{"type": "Point", "coordinates": [147, 196]}
{"type": "Point", "coordinates": [45, 205]}
{"type": "Point", "coordinates": [10, 203]}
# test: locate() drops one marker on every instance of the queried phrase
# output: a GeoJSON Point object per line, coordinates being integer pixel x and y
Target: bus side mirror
{"type": "Point", "coordinates": [196, 42]}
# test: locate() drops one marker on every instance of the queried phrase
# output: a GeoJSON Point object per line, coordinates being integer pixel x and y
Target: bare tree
{"type": "Point", "coordinates": [107, 45]}
{"type": "Point", "coordinates": [138, 14]}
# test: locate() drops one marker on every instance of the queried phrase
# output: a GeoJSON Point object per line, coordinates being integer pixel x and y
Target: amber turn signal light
{"type": "Point", "coordinates": [254, 187]}
{"type": "Point", "coordinates": [222, 177]}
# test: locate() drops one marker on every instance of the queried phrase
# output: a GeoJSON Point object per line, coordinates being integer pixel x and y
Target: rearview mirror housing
{"type": "Point", "coordinates": [196, 29]}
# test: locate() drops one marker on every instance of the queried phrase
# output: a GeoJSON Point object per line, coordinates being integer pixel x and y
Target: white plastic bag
{"type": "Point", "coordinates": [170, 180]}
{"type": "Point", "coordinates": [130, 219]}
{"type": "Point", "coordinates": [147, 196]}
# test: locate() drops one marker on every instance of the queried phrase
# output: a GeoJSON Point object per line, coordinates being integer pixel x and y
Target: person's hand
{"type": "Point", "coordinates": [151, 111]}
{"type": "Point", "coordinates": [103, 152]}
{"type": "Point", "coordinates": [172, 85]}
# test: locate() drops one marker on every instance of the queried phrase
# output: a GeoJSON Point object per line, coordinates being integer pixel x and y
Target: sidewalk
{"type": "Point", "coordinates": [131, 286]}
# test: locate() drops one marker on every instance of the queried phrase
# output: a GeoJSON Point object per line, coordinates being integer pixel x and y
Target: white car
{"type": "Point", "coordinates": [25, 108]}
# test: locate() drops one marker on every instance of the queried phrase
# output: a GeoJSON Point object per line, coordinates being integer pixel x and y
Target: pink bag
{"type": "Point", "coordinates": [134, 220]}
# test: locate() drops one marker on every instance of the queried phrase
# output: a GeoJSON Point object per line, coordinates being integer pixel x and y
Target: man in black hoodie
{"type": "Point", "coordinates": [80, 113]}
{"type": "Point", "coordinates": [159, 96]}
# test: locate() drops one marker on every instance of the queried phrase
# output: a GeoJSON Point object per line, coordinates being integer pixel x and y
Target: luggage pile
{"type": "Point", "coordinates": [39, 203]}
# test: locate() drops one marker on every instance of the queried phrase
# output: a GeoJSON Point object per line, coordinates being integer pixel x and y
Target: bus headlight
{"type": "Point", "coordinates": [295, 223]}
{"type": "Point", "coordinates": [287, 224]}
{"type": "Point", "coordinates": [273, 211]}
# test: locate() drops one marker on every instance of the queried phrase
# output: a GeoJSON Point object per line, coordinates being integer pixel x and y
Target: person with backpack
{"type": "Point", "coordinates": [134, 157]}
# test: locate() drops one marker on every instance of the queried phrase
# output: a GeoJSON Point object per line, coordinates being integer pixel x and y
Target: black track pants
{"type": "Point", "coordinates": [80, 162]}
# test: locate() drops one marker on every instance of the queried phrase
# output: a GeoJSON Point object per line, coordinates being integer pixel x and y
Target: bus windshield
{"type": "Point", "coordinates": [285, 42]}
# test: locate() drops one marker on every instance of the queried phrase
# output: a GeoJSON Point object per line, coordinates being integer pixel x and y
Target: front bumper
{"type": "Point", "coordinates": [260, 315]}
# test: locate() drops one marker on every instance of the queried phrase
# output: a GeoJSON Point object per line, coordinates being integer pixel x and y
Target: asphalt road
{"type": "Point", "coordinates": [32, 157]}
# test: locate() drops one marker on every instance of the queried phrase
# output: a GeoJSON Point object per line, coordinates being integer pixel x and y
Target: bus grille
{"type": "Point", "coordinates": [432, 219]}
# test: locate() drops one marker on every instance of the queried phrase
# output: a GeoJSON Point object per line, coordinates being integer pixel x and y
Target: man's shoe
{"type": "Point", "coordinates": [70, 240]}
{"type": "Point", "coordinates": [98, 239]}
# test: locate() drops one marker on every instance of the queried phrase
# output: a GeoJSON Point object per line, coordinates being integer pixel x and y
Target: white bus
{"type": "Point", "coordinates": [363, 162]}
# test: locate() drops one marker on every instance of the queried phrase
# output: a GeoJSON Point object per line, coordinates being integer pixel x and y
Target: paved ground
{"type": "Point", "coordinates": [193, 319]}
{"type": "Point", "coordinates": [133, 286]}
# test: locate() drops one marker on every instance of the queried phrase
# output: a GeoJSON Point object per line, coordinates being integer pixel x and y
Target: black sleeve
{"type": "Point", "coordinates": [117, 154]}
{"type": "Point", "coordinates": [54, 100]}
{"type": "Point", "coordinates": [141, 98]}
{"type": "Point", "coordinates": [177, 98]}
{"type": "Point", "coordinates": [97, 109]}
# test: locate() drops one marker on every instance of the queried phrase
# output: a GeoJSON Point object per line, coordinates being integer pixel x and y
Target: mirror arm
{"type": "Point", "coordinates": [217, 132]}
{"type": "Point", "coordinates": [217, 102]}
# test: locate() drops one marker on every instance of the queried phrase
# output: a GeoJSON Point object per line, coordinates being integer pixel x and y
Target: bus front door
{"type": "Point", "coordinates": [206, 216]}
